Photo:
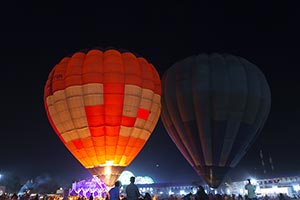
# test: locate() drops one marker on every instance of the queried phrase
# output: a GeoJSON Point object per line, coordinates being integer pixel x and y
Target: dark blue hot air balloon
{"type": "Point", "coordinates": [214, 106]}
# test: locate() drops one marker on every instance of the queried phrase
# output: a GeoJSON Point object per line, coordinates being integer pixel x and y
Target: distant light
{"type": "Point", "coordinates": [296, 187]}
{"type": "Point", "coordinates": [125, 177]}
{"type": "Point", "coordinates": [253, 181]}
{"type": "Point", "coordinates": [182, 192]}
{"type": "Point", "coordinates": [194, 190]}
{"type": "Point", "coordinates": [228, 191]}
{"type": "Point", "coordinates": [242, 191]}
{"type": "Point", "coordinates": [144, 180]}
{"type": "Point", "coordinates": [170, 192]}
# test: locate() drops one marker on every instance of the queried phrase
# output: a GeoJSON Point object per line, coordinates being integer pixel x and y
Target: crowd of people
{"type": "Point", "coordinates": [132, 193]}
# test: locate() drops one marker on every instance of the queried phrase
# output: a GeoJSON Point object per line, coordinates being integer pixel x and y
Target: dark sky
{"type": "Point", "coordinates": [36, 35]}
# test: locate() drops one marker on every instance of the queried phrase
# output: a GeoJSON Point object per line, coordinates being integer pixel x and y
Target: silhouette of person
{"type": "Point", "coordinates": [132, 191]}
{"type": "Point", "coordinates": [201, 195]}
{"type": "Point", "coordinates": [114, 193]}
{"type": "Point", "coordinates": [281, 197]}
{"type": "Point", "coordinates": [147, 196]}
{"type": "Point", "coordinates": [91, 197]}
{"type": "Point", "coordinates": [36, 197]}
{"type": "Point", "coordinates": [250, 190]}
{"type": "Point", "coordinates": [14, 196]}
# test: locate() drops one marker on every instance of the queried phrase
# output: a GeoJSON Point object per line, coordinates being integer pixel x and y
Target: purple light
{"type": "Point", "coordinates": [85, 188]}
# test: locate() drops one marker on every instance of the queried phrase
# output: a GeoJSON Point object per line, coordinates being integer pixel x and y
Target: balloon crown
{"type": "Point", "coordinates": [103, 49]}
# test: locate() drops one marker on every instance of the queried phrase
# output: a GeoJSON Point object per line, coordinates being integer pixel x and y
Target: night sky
{"type": "Point", "coordinates": [35, 36]}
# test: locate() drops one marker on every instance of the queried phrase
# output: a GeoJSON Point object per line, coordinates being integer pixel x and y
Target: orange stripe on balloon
{"type": "Point", "coordinates": [92, 78]}
{"type": "Point", "coordinates": [104, 131]}
{"type": "Point", "coordinates": [123, 140]}
{"type": "Point", "coordinates": [97, 131]}
{"type": "Point", "coordinates": [113, 103]}
{"type": "Point", "coordinates": [95, 115]}
{"type": "Point", "coordinates": [112, 130]}
{"type": "Point", "coordinates": [113, 88]}
{"type": "Point", "coordinates": [98, 143]}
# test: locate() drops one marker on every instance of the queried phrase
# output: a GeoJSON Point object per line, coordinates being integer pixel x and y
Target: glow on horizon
{"type": "Point", "coordinates": [125, 178]}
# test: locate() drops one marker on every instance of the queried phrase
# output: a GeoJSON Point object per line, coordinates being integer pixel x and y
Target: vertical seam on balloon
{"type": "Point", "coordinates": [234, 156]}
{"type": "Point", "coordinates": [148, 71]}
{"type": "Point", "coordinates": [118, 138]}
{"type": "Point", "coordinates": [104, 114]}
{"type": "Point", "coordinates": [259, 110]}
{"type": "Point", "coordinates": [139, 104]}
{"type": "Point", "coordinates": [240, 66]}
{"type": "Point", "coordinates": [240, 153]}
{"type": "Point", "coordinates": [46, 105]}
{"type": "Point", "coordinates": [228, 79]}
{"type": "Point", "coordinates": [83, 99]}
{"type": "Point", "coordinates": [199, 150]}
{"type": "Point", "coordinates": [182, 129]}
{"type": "Point", "coordinates": [91, 137]}
{"type": "Point", "coordinates": [68, 106]}
{"type": "Point", "coordinates": [81, 70]}
{"type": "Point", "coordinates": [64, 91]}
{"type": "Point", "coordinates": [153, 78]}
{"type": "Point", "coordinates": [203, 149]}
{"type": "Point", "coordinates": [131, 128]}
{"type": "Point", "coordinates": [189, 134]}
{"type": "Point", "coordinates": [210, 108]}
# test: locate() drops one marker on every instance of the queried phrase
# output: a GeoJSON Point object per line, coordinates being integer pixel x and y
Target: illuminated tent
{"type": "Point", "coordinates": [103, 105]}
{"type": "Point", "coordinates": [213, 107]}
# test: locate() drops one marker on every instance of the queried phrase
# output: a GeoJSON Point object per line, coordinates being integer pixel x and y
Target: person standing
{"type": "Point", "coordinates": [91, 197]}
{"type": "Point", "coordinates": [132, 191]}
{"type": "Point", "coordinates": [147, 196]}
{"type": "Point", "coordinates": [114, 193]}
{"type": "Point", "coordinates": [201, 195]}
{"type": "Point", "coordinates": [251, 190]}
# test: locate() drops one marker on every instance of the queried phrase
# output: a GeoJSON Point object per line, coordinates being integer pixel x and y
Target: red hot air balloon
{"type": "Point", "coordinates": [103, 105]}
{"type": "Point", "coordinates": [213, 107]}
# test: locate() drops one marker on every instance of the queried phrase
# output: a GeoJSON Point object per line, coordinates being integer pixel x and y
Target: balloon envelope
{"type": "Point", "coordinates": [213, 107]}
{"type": "Point", "coordinates": [103, 105]}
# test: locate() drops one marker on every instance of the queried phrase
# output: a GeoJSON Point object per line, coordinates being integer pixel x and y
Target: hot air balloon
{"type": "Point", "coordinates": [213, 108]}
{"type": "Point", "coordinates": [103, 105]}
